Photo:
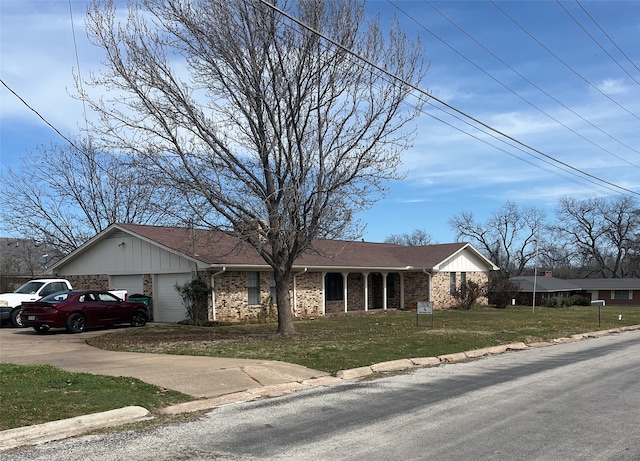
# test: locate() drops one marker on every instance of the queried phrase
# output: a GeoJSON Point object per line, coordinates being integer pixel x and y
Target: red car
{"type": "Point", "coordinates": [80, 309]}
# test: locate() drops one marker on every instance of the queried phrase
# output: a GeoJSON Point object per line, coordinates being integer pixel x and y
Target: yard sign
{"type": "Point", "coordinates": [424, 307]}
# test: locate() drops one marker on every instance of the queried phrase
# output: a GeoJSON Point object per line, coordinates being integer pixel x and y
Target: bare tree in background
{"type": "Point", "coordinates": [602, 233]}
{"type": "Point", "coordinates": [416, 238]}
{"type": "Point", "coordinates": [62, 196]}
{"type": "Point", "coordinates": [268, 130]}
{"type": "Point", "coordinates": [510, 237]}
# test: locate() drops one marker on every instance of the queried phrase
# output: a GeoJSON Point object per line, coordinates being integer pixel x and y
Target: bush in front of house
{"type": "Point", "coordinates": [501, 291]}
{"type": "Point", "coordinates": [195, 298]}
{"type": "Point", "coordinates": [468, 294]}
{"type": "Point", "coordinates": [566, 301]}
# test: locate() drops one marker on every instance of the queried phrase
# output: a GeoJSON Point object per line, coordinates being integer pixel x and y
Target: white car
{"type": "Point", "coordinates": [11, 303]}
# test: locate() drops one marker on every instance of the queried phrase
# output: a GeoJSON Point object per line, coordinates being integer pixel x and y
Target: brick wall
{"type": "Point", "coordinates": [147, 285]}
{"type": "Point", "coordinates": [89, 282]}
{"type": "Point", "coordinates": [232, 294]}
{"type": "Point", "coordinates": [416, 288]}
{"type": "Point", "coordinates": [308, 295]}
{"type": "Point", "coordinates": [442, 299]}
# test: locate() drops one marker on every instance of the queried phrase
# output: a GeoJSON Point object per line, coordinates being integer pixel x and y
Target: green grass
{"type": "Point", "coordinates": [348, 341]}
{"type": "Point", "coordinates": [34, 394]}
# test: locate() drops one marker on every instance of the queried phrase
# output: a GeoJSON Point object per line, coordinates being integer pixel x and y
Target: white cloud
{"type": "Point", "coordinates": [612, 86]}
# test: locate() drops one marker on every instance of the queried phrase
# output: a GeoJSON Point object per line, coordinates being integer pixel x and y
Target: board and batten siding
{"type": "Point", "coordinates": [125, 254]}
{"type": "Point", "coordinates": [465, 261]}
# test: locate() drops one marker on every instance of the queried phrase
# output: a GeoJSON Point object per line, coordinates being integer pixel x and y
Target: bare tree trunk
{"type": "Point", "coordinates": [285, 313]}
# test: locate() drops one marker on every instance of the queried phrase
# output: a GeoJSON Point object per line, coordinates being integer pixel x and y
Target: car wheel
{"type": "Point", "coordinates": [41, 328]}
{"type": "Point", "coordinates": [76, 323]}
{"type": "Point", "coordinates": [139, 318]}
{"type": "Point", "coordinates": [15, 318]}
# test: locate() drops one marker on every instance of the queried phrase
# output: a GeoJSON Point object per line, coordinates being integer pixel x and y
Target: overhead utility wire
{"type": "Point", "coordinates": [524, 78]}
{"type": "Point", "coordinates": [542, 90]}
{"type": "Point", "coordinates": [423, 92]}
{"type": "Point", "coordinates": [608, 36]}
{"type": "Point", "coordinates": [529, 162]}
{"type": "Point", "coordinates": [505, 141]}
{"type": "Point", "coordinates": [75, 47]}
{"type": "Point", "coordinates": [562, 61]}
{"type": "Point", "coordinates": [596, 41]}
{"type": "Point", "coordinates": [39, 115]}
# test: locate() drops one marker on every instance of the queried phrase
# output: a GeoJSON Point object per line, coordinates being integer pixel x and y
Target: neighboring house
{"type": "Point", "coordinates": [338, 276]}
{"type": "Point", "coordinates": [619, 291]}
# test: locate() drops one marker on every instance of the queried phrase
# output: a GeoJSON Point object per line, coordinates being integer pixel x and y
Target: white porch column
{"type": "Point", "coordinates": [384, 290]}
{"type": "Point", "coordinates": [365, 277]}
{"type": "Point", "coordinates": [213, 292]}
{"type": "Point", "coordinates": [345, 276]}
{"type": "Point", "coordinates": [324, 293]}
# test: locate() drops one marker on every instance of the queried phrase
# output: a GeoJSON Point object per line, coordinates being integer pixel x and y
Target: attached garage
{"type": "Point", "coordinates": [128, 261]}
{"type": "Point", "coordinates": [167, 304]}
{"type": "Point", "coordinates": [131, 283]}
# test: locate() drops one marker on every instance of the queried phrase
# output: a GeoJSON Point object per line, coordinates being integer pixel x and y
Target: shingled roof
{"type": "Point", "coordinates": [217, 248]}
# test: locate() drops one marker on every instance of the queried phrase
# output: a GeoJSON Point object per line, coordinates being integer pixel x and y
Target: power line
{"type": "Point", "coordinates": [449, 106]}
{"type": "Point", "coordinates": [75, 47]}
{"type": "Point", "coordinates": [607, 35]}
{"type": "Point", "coordinates": [529, 162]}
{"type": "Point", "coordinates": [39, 115]}
{"type": "Point", "coordinates": [559, 59]}
{"type": "Point", "coordinates": [97, 165]}
{"type": "Point", "coordinates": [596, 41]}
{"type": "Point", "coordinates": [525, 79]}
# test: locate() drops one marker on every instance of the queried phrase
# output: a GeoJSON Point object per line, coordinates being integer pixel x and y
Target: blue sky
{"type": "Point", "coordinates": [562, 78]}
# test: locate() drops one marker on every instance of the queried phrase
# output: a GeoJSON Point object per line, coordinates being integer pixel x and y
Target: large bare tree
{"type": "Point", "coordinates": [270, 130]}
{"type": "Point", "coordinates": [601, 233]}
{"type": "Point", "coordinates": [417, 237]}
{"type": "Point", "coordinates": [63, 195]}
{"type": "Point", "coordinates": [511, 237]}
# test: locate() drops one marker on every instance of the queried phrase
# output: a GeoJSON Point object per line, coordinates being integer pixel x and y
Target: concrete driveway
{"type": "Point", "coordinates": [195, 376]}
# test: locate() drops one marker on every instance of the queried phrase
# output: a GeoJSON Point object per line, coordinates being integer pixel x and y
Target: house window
{"type": "Point", "coordinates": [621, 294]}
{"type": "Point", "coordinates": [452, 283]}
{"type": "Point", "coordinates": [463, 278]}
{"type": "Point", "coordinates": [391, 286]}
{"type": "Point", "coordinates": [334, 286]}
{"type": "Point", "coordinates": [253, 287]}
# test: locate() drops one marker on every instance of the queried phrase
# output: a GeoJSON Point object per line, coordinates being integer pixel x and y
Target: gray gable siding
{"type": "Point", "coordinates": [125, 254]}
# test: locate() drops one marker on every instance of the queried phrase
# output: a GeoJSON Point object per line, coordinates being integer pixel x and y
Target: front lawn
{"type": "Point", "coordinates": [34, 394]}
{"type": "Point", "coordinates": [353, 340]}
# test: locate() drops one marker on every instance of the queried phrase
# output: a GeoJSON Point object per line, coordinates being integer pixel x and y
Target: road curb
{"type": "Point", "coordinates": [64, 428]}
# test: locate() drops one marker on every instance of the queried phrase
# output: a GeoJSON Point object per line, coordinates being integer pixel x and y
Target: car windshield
{"type": "Point", "coordinates": [29, 288]}
{"type": "Point", "coordinates": [56, 297]}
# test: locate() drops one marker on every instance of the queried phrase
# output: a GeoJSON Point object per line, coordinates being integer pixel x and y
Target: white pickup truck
{"type": "Point", "coordinates": [10, 303]}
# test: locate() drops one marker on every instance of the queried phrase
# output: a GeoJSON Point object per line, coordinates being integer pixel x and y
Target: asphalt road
{"type": "Point", "coordinates": [575, 401]}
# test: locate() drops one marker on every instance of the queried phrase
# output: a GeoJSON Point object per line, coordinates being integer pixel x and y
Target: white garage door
{"type": "Point", "coordinates": [131, 283]}
{"type": "Point", "coordinates": [167, 304]}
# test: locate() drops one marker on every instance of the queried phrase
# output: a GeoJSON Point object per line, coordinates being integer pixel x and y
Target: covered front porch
{"type": "Point", "coordinates": [349, 291]}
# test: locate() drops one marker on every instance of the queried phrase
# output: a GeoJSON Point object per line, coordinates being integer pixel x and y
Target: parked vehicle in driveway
{"type": "Point", "coordinates": [10, 303]}
{"type": "Point", "coordinates": [80, 309]}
